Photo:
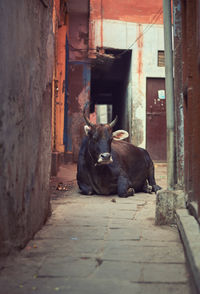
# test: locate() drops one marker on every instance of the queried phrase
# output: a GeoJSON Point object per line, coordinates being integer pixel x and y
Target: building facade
{"type": "Point", "coordinates": [113, 57]}
{"type": "Point", "coordinates": [133, 32]}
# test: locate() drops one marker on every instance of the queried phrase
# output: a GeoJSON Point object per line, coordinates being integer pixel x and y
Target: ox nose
{"type": "Point", "coordinates": [105, 156]}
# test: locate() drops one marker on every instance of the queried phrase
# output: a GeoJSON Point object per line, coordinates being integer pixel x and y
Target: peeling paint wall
{"type": "Point", "coordinates": [78, 74]}
{"type": "Point", "coordinates": [72, 79]}
{"type": "Point", "coordinates": [79, 88]}
{"type": "Point", "coordinates": [131, 29]}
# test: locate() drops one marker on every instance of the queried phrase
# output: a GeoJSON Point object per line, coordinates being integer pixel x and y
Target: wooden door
{"type": "Point", "coordinates": [156, 119]}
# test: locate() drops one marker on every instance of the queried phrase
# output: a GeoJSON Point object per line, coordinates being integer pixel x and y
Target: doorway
{"type": "Point", "coordinates": [111, 85]}
{"type": "Point", "coordinates": [156, 119]}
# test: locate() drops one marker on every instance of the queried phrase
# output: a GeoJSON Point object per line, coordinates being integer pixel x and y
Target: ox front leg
{"type": "Point", "coordinates": [85, 189]}
{"type": "Point", "coordinates": [123, 188]}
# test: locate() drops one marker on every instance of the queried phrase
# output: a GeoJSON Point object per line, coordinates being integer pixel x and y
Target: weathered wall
{"type": "Point", "coordinates": [71, 79]}
{"type": "Point", "coordinates": [191, 96]}
{"type": "Point", "coordinates": [78, 74]}
{"type": "Point", "coordinates": [26, 51]}
{"type": "Point", "coordinates": [125, 26]}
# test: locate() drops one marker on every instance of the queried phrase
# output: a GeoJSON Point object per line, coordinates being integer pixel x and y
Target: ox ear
{"type": "Point", "coordinates": [87, 129]}
{"type": "Point", "coordinates": [120, 135]}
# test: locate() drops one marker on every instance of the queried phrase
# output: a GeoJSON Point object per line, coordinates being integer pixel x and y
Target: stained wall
{"type": "Point", "coordinates": [78, 72]}
{"type": "Point", "coordinates": [26, 65]}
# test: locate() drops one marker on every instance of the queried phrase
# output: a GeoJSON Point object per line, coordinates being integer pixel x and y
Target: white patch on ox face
{"type": "Point", "coordinates": [105, 158]}
{"type": "Point", "coordinates": [120, 135]}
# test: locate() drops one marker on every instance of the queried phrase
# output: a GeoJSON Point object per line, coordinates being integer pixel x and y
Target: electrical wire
{"type": "Point", "coordinates": [147, 28]}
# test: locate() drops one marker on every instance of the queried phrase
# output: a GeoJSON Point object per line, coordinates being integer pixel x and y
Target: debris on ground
{"type": "Point", "coordinates": [63, 187]}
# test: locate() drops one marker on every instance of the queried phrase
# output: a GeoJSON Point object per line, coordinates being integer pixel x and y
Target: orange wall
{"type": "Point", "coordinates": [139, 11]}
{"type": "Point", "coordinates": [58, 97]}
{"type": "Point", "coordinates": [60, 76]}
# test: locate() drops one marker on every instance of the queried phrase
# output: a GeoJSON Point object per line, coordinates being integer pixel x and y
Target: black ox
{"type": "Point", "coordinates": [107, 165]}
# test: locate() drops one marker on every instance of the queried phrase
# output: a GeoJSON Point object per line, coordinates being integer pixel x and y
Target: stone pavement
{"type": "Point", "coordinates": [99, 245]}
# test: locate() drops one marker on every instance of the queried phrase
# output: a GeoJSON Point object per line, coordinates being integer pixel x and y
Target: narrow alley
{"type": "Point", "coordinates": [97, 244]}
{"type": "Point", "coordinates": [93, 92]}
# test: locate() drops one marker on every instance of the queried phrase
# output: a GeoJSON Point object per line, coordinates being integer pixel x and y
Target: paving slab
{"type": "Point", "coordinates": [91, 286]}
{"type": "Point", "coordinates": [142, 272]}
{"type": "Point", "coordinates": [98, 244]}
{"type": "Point", "coordinates": [155, 254]}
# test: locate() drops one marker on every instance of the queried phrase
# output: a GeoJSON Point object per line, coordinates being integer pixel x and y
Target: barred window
{"type": "Point", "coordinates": [161, 58]}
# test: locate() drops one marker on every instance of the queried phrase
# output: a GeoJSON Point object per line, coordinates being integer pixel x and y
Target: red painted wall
{"type": "Point", "coordinates": [142, 11]}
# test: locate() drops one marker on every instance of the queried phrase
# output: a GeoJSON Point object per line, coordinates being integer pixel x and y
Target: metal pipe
{"type": "Point", "coordinates": [178, 95]}
{"type": "Point", "coordinates": [169, 85]}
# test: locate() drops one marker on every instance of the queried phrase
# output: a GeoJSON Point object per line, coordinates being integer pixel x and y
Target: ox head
{"type": "Point", "coordinates": [100, 138]}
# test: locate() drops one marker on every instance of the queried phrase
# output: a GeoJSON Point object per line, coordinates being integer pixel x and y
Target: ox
{"type": "Point", "coordinates": [107, 165]}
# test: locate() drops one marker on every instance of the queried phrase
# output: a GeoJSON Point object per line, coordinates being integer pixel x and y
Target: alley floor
{"type": "Point", "coordinates": [99, 245]}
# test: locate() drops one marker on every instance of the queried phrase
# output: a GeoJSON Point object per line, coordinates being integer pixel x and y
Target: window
{"type": "Point", "coordinates": [161, 58]}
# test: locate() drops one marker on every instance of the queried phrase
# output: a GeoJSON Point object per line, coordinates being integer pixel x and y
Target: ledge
{"type": "Point", "coordinates": [167, 201]}
{"type": "Point", "coordinates": [190, 234]}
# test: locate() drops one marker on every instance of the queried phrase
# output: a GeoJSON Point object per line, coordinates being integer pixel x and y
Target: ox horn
{"type": "Point", "coordinates": [88, 122]}
{"type": "Point", "coordinates": [113, 122]}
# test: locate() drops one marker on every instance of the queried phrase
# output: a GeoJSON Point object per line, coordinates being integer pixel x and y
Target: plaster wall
{"type": "Point", "coordinates": [27, 55]}
{"type": "Point", "coordinates": [126, 35]}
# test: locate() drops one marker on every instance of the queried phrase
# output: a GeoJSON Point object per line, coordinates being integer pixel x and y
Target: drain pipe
{"type": "Point", "coordinates": [169, 85]}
